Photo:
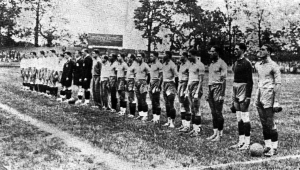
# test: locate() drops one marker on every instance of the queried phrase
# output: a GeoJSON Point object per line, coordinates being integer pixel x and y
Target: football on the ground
{"type": "Point", "coordinates": [277, 108]}
{"type": "Point", "coordinates": [256, 150]}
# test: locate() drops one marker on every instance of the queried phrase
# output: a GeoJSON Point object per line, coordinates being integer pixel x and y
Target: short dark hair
{"type": "Point", "coordinates": [34, 53]}
{"type": "Point", "coordinates": [242, 46]}
{"type": "Point", "coordinates": [42, 52]}
{"type": "Point", "coordinates": [62, 55]}
{"type": "Point", "coordinates": [155, 54]}
{"type": "Point", "coordinates": [79, 52]}
{"type": "Point", "coordinates": [217, 48]}
{"type": "Point", "coordinates": [169, 53]}
{"type": "Point", "coordinates": [114, 56]}
{"type": "Point", "coordinates": [132, 56]}
{"type": "Point", "coordinates": [105, 57]}
{"type": "Point", "coordinates": [86, 50]}
{"type": "Point", "coordinates": [53, 51]}
{"type": "Point", "coordinates": [122, 55]}
{"type": "Point", "coordinates": [69, 53]}
{"type": "Point", "coordinates": [269, 48]}
{"type": "Point", "coordinates": [193, 52]}
{"type": "Point", "coordinates": [184, 54]}
{"type": "Point", "coordinates": [97, 52]}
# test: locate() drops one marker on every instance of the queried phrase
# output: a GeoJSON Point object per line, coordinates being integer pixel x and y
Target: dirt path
{"type": "Point", "coordinates": [109, 160]}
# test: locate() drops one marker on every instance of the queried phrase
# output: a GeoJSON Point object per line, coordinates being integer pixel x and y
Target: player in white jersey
{"type": "Point", "coordinates": [43, 72]}
{"type": "Point", "coordinates": [194, 91]}
{"type": "Point", "coordinates": [155, 86]}
{"type": "Point", "coordinates": [121, 84]}
{"type": "Point", "coordinates": [105, 72]}
{"type": "Point", "coordinates": [56, 76]}
{"type": "Point", "coordinates": [59, 70]}
{"type": "Point", "coordinates": [183, 99]}
{"type": "Point", "coordinates": [38, 66]}
{"type": "Point", "coordinates": [32, 71]}
{"type": "Point", "coordinates": [26, 70]}
{"type": "Point", "coordinates": [130, 79]}
{"type": "Point", "coordinates": [23, 74]}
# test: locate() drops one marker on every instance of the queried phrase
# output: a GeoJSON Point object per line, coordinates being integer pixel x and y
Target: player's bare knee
{"type": "Point", "coordinates": [245, 117]}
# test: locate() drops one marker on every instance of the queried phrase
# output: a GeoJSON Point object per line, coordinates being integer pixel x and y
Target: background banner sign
{"type": "Point", "coordinates": [105, 40]}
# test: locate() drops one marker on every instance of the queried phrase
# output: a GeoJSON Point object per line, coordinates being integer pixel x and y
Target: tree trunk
{"type": "Point", "coordinates": [230, 37]}
{"type": "Point", "coordinates": [149, 37]}
{"type": "Point", "coordinates": [0, 38]}
{"type": "Point", "coordinates": [37, 23]}
{"type": "Point", "coordinates": [259, 33]}
{"type": "Point", "coordinates": [172, 42]}
{"type": "Point", "coordinates": [49, 42]}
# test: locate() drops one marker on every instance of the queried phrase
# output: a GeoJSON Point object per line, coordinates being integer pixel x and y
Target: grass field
{"type": "Point", "coordinates": [23, 146]}
{"type": "Point", "coordinates": [150, 145]}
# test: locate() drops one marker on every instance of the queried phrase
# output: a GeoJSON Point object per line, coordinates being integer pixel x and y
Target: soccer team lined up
{"type": "Point", "coordinates": [115, 80]}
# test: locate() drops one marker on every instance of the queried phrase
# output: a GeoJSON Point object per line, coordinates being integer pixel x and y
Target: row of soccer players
{"type": "Point", "coordinates": [111, 76]}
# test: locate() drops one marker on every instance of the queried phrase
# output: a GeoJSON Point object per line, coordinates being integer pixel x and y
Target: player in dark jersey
{"type": "Point", "coordinates": [242, 89]}
{"type": "Point", "coordinates": [67, 75]}
{"type": "Point", "coordinates": [87, 66]}
{"type": "Point", "coordinates": [77, 79]}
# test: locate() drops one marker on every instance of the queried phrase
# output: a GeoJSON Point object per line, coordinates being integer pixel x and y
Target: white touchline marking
{"type": "Point", "coordinates": [112, 161]}
{"type": "Point", "coordinates": [251, 162]}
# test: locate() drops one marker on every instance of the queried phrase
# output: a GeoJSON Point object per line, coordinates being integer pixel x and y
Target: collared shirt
{"type": "Point", "coordinates": [141, 71]}
{"type": "Point", "coordinates": [169, 71]}
{"type": "Point", "coordinates": [113, 68]}
{"type": "Point", "coordinates": [46, 62]}
{"type": "Point", "coordinates": [155, 69]}
{"type": "Point", "coordinates": [105, 70]}
{"type": "Point", "coordinates": [195, 70]}
{"type": "Point", "coordinates": [39, 63]}
{"type": "Point", "coordinates": [42, 62]}
{"type": "Point", "coordinates": [60, 65]}
{"type": "Point", "coordinates": [96, 71]}
{"type": "Point", "coordinates": [217, 72]}
{"type": "Point", "coordinates": [268, 74]}
{"type": "Point", "coordinates": [184, 71]}
{"type": "Point", "coordinates": [121, 69]}
{"type": "Point", "coordinates": [131, 70]}
{"type": "Point", "coordinates": [30, 62]}
{"type": "Point", "coordinates": [33, 62]}
{"type": "Point", "coordinates": [51, 63]}
{"type": "Point", "coordinates": [55, 62]}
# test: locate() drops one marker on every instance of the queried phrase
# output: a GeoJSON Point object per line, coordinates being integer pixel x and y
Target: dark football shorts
{"type": "Point", "coordinates": [121, 84]}
{"type": "Point", "coordinates": [181, 89]}
{"type": "Point", "coordinates": [169, 88]}
{"type": "Point", "coordinates": [130, 84]}
{"type": "Point", "coordinates": [141, 86]}
{"type": "Point", "coordinates": [193, 86]}
{"type": "Point", "coordinates": [154, 86]}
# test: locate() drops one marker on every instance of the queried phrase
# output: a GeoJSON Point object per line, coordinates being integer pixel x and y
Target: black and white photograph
{"type": "Point", "coordinates": [149, 84]}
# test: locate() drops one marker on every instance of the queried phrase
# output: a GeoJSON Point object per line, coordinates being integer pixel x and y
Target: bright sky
{"type": "Point", "coordinates": [109, 17]}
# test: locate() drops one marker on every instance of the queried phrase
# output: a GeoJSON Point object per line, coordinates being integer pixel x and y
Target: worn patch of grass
{"type": "Point", "coordinates": [154, 145]}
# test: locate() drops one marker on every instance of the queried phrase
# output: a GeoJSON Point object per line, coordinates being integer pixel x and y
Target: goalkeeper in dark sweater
{"type": "Point", "coordinates": [242, 89]}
